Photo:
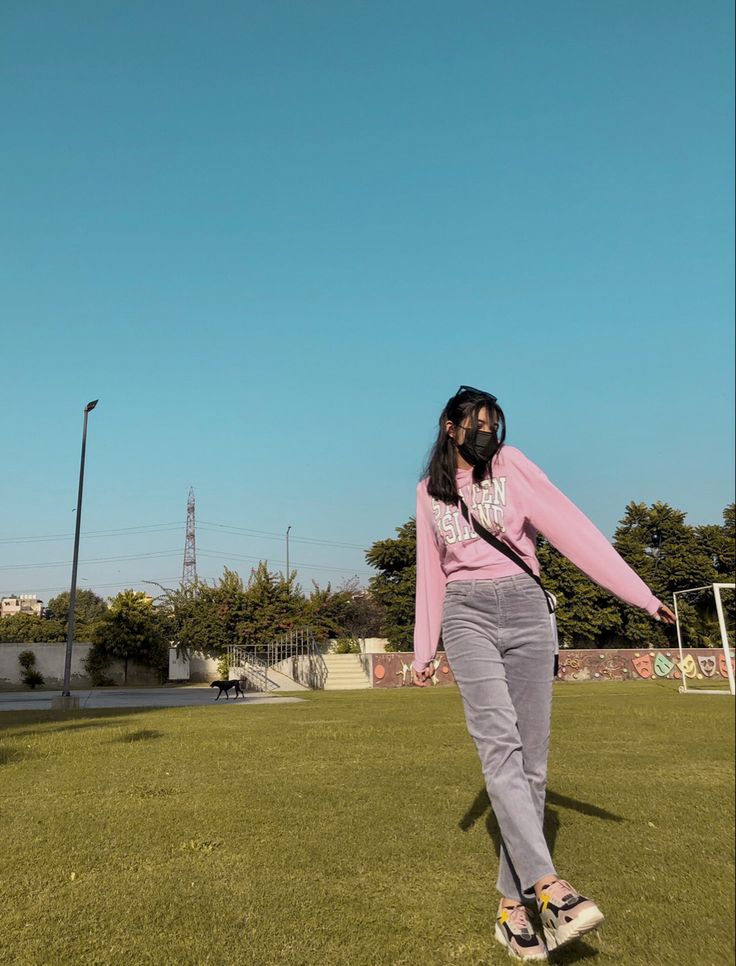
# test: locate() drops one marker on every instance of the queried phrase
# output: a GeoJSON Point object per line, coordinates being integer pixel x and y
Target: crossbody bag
{"type": "Point", "coordinates": [507, 551]}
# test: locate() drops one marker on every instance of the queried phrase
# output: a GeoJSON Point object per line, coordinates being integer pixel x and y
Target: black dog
{"type": "Point", "coordinates": [225, 686]}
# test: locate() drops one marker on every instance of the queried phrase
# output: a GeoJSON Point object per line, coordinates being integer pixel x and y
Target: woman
{"type": "Point", "coordinates": [494, 620]}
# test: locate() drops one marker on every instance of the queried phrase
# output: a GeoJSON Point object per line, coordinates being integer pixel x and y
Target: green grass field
{"type": "Point", "coordinates": [353, 829]}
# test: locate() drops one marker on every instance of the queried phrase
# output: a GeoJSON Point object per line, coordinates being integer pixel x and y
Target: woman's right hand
{"type": "Point", "coordinates": [421, 678]}
{"type": "Point", "coordinates": [665, 614]}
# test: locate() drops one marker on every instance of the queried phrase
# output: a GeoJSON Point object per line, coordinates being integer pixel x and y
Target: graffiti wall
{"type": "Point", "coordinates": [630, 665]}
{"type": "Point", "coordinates": [394, 670]}
{"type": "Point", "coordinates": [626, 664]}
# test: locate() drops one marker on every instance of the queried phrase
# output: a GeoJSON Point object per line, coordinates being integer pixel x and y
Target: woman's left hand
{"type": "Point", "coordinates": [421, 678]}
{"type": "Point", "coordinates": [665, 614]}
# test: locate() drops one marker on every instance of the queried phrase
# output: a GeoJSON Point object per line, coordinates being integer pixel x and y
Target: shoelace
{"type": "Point", "coordinates": [517, 919]}
{"type": "Point", "coordinates": [561, 890]}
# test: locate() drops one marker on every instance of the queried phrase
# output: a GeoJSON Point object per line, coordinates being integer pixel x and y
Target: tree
{"type": "Point", "coordinates": [325, 611]}
{"type": "Point", "coordinates": [587, 615]}
{"type": "Point", "coordinates": [30, 629]}
{"type": "Point", "coordinates": [394, 587]}
{"type": "Point", "coordinates": [219, 610]}
{"type": "Point", "coordinates": [211, 617]}
{"type": "Point", "coordinates": [669, 555]}
{"type": "Point", "coordinates": [181, 617]}
{"type": "Point", "coordinates": [364, 615]}
{"type": "Point", "coordinates": [718, 543]}
{"type": "Point", "coordinates": [132, 630]}
{"type": "Point", "coordinates": [88, 607]}
{"type": "Point", "coordinates": [273, 605]}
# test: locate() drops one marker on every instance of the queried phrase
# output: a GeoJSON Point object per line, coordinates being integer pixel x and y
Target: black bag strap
{"type": "Point", "coordinates": [505, 549]}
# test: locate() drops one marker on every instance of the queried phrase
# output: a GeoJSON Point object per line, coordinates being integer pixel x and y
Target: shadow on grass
{"type": "Point", "coordinates": [12, 755]}
{"type": "Point", "coordinates": [482, 804]}
{"type": "Point", "coordinates": [574, 952]}
{"type": "Point", "coordinates": [48, 722]}
{"type": "Point", "coordinates": [9, 756]}
{"type": "Point", "coordinates": [143, 734]}
{"type": "Point", "coordinates": [585, 808]}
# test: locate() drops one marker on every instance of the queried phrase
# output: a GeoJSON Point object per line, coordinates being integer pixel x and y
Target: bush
{"type": "Point", "coordinates": [133, 630]}
{"type": "Point", "coordinates": [30, 676]}
{"type": "Point", "coordinates": [347, 645]}
{"type": "Point", "coordinates": [33, 678]}
{"type": "Point", "coordinates": [96, 664]}
{"type": "Point", "coordinates": [223, 666]}
{"type": "Point", "coordinates": [30, 629]}
{"type": "Point", "coordinates": [27, 659]}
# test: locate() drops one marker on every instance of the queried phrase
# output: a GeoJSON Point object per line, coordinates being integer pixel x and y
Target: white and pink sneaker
{"type": "Point", "coordinates": [565, 914]}
{"type": "Point", "coordinates": [514, 931]}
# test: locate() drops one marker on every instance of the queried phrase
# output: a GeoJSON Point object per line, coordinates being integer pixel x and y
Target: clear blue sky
{"type": "Point", "coordinates": [274, 237]}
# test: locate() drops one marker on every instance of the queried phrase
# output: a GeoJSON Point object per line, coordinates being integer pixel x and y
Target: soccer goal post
{"type": "Point", "coordinates": [717, 589]}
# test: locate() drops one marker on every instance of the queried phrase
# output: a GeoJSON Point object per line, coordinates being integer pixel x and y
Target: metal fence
{"type": "Point", "coordinates": [365, 659]}
{"type": "Point", "coordinates": [294, 654]}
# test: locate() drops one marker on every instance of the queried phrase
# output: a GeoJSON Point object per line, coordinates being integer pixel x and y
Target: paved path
{"type": "Point", "coordinates": [133, 698]}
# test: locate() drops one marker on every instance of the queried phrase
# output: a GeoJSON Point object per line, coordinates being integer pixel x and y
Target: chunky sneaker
{"type": "Point", "coordinates": [514, 932]}
{"type": "Point", "coordinates": [565, 914]}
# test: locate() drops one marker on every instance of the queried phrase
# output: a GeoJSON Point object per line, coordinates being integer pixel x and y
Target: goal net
{"type": "Point", "coordinates": [705, 617]}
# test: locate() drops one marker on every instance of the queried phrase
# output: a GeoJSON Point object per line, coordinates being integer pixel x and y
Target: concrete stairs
{"type": "Point", "coordinates": [277, 680]}
{"type": "Point", "coordinates": [345, 673]}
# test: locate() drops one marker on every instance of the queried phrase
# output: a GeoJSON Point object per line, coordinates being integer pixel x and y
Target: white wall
{"type": "Point", "coordinates": [50, 662]}
{"type": "Point", "coordinates": [202, 669]}
{"type": "Point", "coordinates": [372, 645]}
{"type": "Point", "coordinates": [178, 666]}
{"type": "Point", "coordinates": [375, 645]}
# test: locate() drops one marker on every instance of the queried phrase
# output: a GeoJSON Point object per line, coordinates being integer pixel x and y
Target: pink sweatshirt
{"type": "Point", "coordinates": [519, 501]}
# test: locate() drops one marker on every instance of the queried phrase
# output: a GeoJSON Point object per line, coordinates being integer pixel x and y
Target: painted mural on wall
{"type": "Point", "coordinates": [626, 664]}
{"type": "Point", "coordinates": [394, 670]}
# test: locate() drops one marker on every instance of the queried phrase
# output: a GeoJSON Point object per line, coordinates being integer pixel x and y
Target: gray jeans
{"type": "Point", "coordinates": [500, 647]}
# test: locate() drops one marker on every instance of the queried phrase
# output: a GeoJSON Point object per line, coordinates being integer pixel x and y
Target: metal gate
{"type": "Point", "coordinates": [295, 654]}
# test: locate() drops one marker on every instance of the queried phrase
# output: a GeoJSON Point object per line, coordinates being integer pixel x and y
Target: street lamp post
{"type": "Point", "coordinates": [288, 573]}
{"type": "Point", "coordinates": [66, 693]}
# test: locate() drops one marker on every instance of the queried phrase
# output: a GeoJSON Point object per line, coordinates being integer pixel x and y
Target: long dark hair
{"type": "Point", "coordinates": [442, 462]}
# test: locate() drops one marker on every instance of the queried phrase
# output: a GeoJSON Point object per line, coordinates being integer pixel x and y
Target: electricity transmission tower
{"type": "Point", "coordinates": [189, 573]}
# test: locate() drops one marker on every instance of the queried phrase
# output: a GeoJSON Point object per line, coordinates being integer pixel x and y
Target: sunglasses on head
{"type": "Point", "coordinates": [478, 392]}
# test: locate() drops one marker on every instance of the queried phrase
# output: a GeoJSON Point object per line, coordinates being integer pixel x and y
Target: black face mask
{"type": "Point", "coordinates": [478, 446]}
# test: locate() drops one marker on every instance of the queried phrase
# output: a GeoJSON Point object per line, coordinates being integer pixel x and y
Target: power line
{"type": "Point", "coordinates": [153, 528]}
{"type": "Point", "coordinates": [66, 563]}
{"type": "Point", "coordinates": [218, 554]}
{"type": "Point", "coordinates": [91, 585]}
{"type": "Point", "coordinates": [203, 524]}
{"type": "Point", "coordinates": [144, 528]}
{"type": "Point", "coordinates": [112, 583]}
{"type": "Point", "coordinates": [175, 526]}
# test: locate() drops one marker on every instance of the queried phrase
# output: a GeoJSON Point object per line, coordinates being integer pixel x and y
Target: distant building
{"type": "Point", "coordinates": [22, 604]}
